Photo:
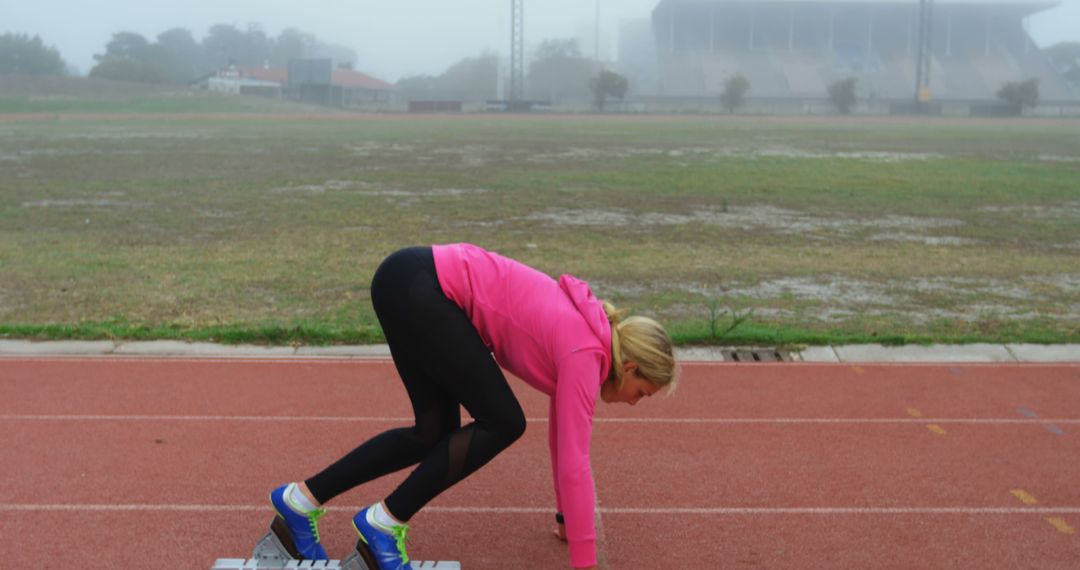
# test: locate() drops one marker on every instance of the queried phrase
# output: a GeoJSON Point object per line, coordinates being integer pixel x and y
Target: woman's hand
{"type": "Point", "coordinates": [560, 531]}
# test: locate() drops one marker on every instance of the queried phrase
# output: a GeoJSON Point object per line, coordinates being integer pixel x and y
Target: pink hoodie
{"type": "Point", "coordinates": [555, 336]}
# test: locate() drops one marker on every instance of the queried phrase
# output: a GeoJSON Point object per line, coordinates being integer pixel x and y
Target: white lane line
{"type": "Point", "coordinates": [239, 359]}
{"type": "Point", "coordinates": [74, 507]}
{"type": "Point", "coordinates": [361, 419]}
{"type": "Point", "coordinates": [598, 528]}
{"type": "Point", "coordinates": [365, 359]}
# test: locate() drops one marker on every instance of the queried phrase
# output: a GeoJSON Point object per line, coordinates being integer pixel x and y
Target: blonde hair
{"type": "Point", "coordinates": [645, 342]}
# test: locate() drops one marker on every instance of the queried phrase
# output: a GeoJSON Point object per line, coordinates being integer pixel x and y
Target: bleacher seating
{"type": "Point", "coordinates": [996, 71]}
{"type": "Point", "coordinates": [961, 79]}
{"type": "Point", "coordinates": [717, 68]}
{"type": "Point", "coordinates": [764, 78]}
{"type": "Point", "coordinates": [803, 74]}
{"type": "Point", "coordinates": [823, 50]}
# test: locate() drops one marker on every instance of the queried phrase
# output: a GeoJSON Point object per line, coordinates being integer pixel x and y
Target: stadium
{"type": "Point", "coordinates": [794, 49]}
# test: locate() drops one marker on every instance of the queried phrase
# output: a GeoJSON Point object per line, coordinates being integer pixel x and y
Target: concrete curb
{"type": "Point", "coordinates": [1069, 353]}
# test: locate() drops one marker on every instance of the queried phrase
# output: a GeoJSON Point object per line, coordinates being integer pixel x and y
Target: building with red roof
{"type": "Point", "coordinates": [346, 86]}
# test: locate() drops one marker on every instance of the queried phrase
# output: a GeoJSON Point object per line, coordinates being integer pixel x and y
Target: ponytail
{"type": "Point", "coordinates": [645, 342]}
{"type": "Point", "coordinates": [614, 317]}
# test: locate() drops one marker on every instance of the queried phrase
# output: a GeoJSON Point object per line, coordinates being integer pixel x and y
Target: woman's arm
{"type": "Point", "coordinates": [575, 402]}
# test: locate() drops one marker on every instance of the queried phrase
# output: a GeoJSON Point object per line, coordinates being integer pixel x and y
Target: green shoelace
{"type": "Point", "coordinates": [401, 535]}
{"type": "Point", "coordinates": [313, 521]}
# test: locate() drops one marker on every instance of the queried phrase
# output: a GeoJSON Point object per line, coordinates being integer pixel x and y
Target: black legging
{"type": "Point", "coordinates": [444, 364]}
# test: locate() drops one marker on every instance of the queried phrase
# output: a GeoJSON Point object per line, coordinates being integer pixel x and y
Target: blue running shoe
{"type": "Point", "coordinates": [298, 533]}
{"type": "Point", "coordinates": [386, 545]}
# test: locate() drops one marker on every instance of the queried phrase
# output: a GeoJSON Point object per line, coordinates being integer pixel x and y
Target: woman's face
{"type": "Point", "coordinates": [634, 387]}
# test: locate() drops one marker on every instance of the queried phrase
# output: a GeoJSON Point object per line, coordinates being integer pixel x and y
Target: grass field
{"type": "Point", "coordinates": [802, 231]}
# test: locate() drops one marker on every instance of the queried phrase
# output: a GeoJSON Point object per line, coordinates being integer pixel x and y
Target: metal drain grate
{"type": "Point", "coordinates": [755, 355]}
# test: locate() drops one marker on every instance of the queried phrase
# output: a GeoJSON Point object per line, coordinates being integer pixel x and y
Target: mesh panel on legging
{"type": "Point", "coordinates": [443, 363]}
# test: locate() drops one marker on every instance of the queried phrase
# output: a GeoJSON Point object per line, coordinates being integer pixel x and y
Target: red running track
{"type": "Point", "coordinates": [166, 463]}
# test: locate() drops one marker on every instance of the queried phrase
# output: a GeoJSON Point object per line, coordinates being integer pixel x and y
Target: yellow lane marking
{"type": "Point", "coordinates": [858, 369]}
{"type": "Point", "coordinates": [1061, 525]}
{"type": "Point", "coordinates": [936, 429]}
{"type": "Point", "coordinates": [914, 413]}
{"type": "Point", "coordinates": [1024, 497]}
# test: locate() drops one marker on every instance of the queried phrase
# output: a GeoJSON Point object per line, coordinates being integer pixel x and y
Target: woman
{"type": "Point", "coordinates": [446, 312]}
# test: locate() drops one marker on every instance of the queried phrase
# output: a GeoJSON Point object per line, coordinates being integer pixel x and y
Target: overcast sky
{"type": "Point", "coordinates": [393, 38]}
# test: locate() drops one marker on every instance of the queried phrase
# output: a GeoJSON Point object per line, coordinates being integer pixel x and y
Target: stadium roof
{"type": "Point", "coordinates": [1027, 4]}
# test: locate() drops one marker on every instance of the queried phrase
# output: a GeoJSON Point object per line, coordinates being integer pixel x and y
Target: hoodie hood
{"type": "Point", "coordinates": [593, 311]}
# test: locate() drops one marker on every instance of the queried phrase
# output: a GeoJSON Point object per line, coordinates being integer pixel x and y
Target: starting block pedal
{"type": "Point", "coordinates": [273, 553]}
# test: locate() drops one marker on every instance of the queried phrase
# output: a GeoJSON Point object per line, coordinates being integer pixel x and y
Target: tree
{"type": "Point", "coordinates": [226, 44]}
{"type": "Point", "coordinates": [842, 95]}
{"type": "Point", "coordinates": [470, 79]}
{"type": "Point", "coordinates": [177, 57]}
{"type": "Point", "coordinates": [473, 78]}
{"type": "Point", "coordinates": [559, 71]}
{"type": "Point", "coordinates": [734, 95]}
{"type": "Point", "coordinates": [607, 84]}
{"type": "Point", "coordinates": [130, 57]}
{"type": "Point", "coordinates": [20, 53]}
{"type": "Point", "coordinates": [419, 87]}
{"type": "Point", "coordinates": [1020, 93]}
{"type": "Point", "coordinates": [292, 44]}
{"type": "Point", "coordinates": [1066, 58]}
{"type": "Point", "coordinates": [185, 60]}
{"type": "Point", "coordinates": [125, 45]}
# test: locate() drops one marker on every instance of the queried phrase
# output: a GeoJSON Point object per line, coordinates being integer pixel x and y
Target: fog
{"type": "Point", "coordinates": [393, 38]}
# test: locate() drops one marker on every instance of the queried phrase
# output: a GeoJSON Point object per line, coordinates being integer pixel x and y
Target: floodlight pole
{"type": "Point", "coordinates": [517, 50]}
{"type": "Point", "coordinates": [919, 52]}
{"type": "Point", "coordinates": [597, 52]}
{"type": "Point", "coordinates": [925, 54]}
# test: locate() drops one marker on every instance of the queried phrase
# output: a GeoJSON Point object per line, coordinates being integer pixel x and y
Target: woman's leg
{"type": "Point", "coordinates": [443, 363]}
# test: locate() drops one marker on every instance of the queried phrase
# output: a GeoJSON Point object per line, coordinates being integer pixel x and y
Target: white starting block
{"type": "Point", "coordinates": [271, 554]}
{"type": "Point", "coordinates": [253, 564]}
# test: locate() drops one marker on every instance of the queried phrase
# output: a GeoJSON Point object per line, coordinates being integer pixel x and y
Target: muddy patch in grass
{"type": "Point", "coordinates": [594, 153]}
{"type": "Point", "coordinates": [468, 156]}
{"type": "Point", "coordinates": [372, 189]}
{"type": "Point", "coordinates": [771, 218]}
{"type": "Point", "coordinates": [836, 291]}
{"type": "Point", "coordinates": [839, 298]}
{"type": "Point", "coordinates": [328, 186]}
{"type": "Point", "coordinates": [79, 203]}
{"type": "Point", "coordinates": [925, 240]}
{"type": "Point", "coordinates": [1063, 211]}
{"type": "Point", "coordinates": [1058, 158]}
{"type": "Point", "coordinates": [121, 134]}
{"type": "Point", "coordinates": [865, 156]}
